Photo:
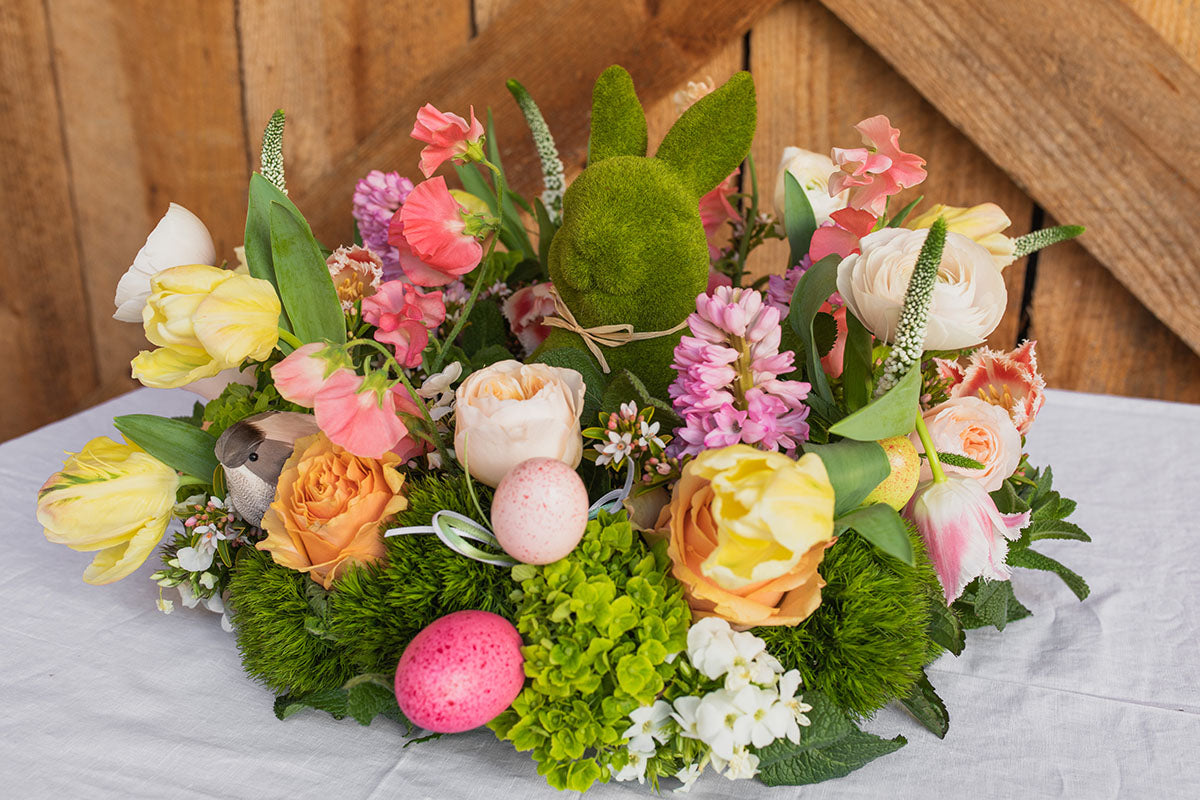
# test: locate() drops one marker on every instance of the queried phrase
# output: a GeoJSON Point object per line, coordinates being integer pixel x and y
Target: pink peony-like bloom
{"type": "Point", "coordinates": [842, 234]}
{"type": "Point", "coordinates": [1008, 380]}
{"type": "Point", "coordinates": [965, 534]}
{"type": "Point", "coordinates": [525, 309]}
{"type": "Point", "coordinates": [716, 210]}
{"type": "Point", "coordinates": [302, 374]}
{"type": "Point", "coordinates": [377, 198]}
{"type": "Point", "coordinates": [403, 316]}
{"type": "Point", "coordinates": [969, 427]}
{"type": "Point", "coordinates": [875, 172]}
{"type": "Point", "coordinates": [446, 136]}
{"type": "Point", "coordinates": [356, 274]}
{"type": "Point", "coordinates": [359, 414]}
{"type": "Point", "coordinates": [430, 231]}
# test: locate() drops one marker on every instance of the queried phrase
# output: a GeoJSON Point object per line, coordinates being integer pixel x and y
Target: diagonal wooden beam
{"type": "Point", "coordinates": [556, 49]}
{"type": "Point", "coordinates": [1085, 106]}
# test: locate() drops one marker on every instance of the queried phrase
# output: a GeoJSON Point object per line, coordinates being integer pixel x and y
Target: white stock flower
{"type": "Point", "coordinates": [742, 764]}
{"type": "Point", "coordinates": [179, 238]}
{"type": "Point", "coordinates": [710, 647]}
{"type": "Point", "coordinates": [194, 559]}
{"type": "Point", "coordinates": [771, 719]}
{"type": "Point", "coordinates": [789, 682]}
{"type": "Point", "coordinates": [748, 665]}
{"type": "Point", "coordinates": [635, 769]}
{"type": "Point", "coordinates": [649, 724]}
{"type": "Point", "coordinates": [688, 775]}
{"type": "Point", "coordinates": [685, 716]}
{"type": "Point", "coordinates": [722, 724]}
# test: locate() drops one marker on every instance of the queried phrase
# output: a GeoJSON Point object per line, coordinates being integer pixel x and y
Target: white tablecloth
{"type": "Point", "coordinates": [103, 696]}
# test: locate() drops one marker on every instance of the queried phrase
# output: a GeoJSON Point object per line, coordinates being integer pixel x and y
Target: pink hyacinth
{"type": "Point", "coordinates": [377, 197]}
{"type": "Point", "coordinates": [875, 172]}
{"type": "Point", "coordinates": [729, 389]}
{"type": "Point", "coordinates": [403, 316]}
{"type": "Point", "coordinates": [431, 234]}
{"type": "Point", "coordinates": [446, 136]}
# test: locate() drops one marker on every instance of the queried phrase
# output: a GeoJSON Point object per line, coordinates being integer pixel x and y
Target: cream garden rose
{"type": "Point", "coordinates": [970, 427]}
{"type": "Point", "coordinates": [968, 300]}
{"type": "Point", "coordinates": [509, 412]}
{"type": "Point", "coordinates": [811, 170]}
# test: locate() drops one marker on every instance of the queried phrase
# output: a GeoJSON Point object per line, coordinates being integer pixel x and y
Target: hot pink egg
{"type": "Point", "coordinates": [461, 671]}
{"type": "Point", "coordinates": [540, 511]}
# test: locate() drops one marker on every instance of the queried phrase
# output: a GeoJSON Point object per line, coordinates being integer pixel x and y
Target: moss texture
{"type": "Point", "coordinates": [631, 248]}
{"type": "Point", "coordinates": [867, 642]}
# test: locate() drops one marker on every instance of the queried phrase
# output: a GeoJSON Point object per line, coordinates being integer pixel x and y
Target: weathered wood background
{"type": "Point", "coordinates": [110, 109]}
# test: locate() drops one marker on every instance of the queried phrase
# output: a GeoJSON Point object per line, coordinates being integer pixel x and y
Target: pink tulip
{"type": "Point", "coordinates": [403, 316]}
{"type": "Point", "coordinates": [300, 376]}
{"type": "Point", "coordinates": [842, 235]}
{"type": "Point", "coordinates": [446, 136]}
{"type": "Point", "coordinates": [430, 232]}
{"type": "Point", "coordinates": [359, 414]}
{"type": "Point", "coordinates": [1009, 380]}
{"type": "Point", "coordinates": [965, 534]}
{"type": "Point", "coordinates": [716, 210]}
{"type": "Point", "coordinates": [525, 309]}
{"type": "Point", "coordinates": [875, 172]}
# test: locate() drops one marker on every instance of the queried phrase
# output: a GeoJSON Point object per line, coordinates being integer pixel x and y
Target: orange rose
{"type": "Point", "coordinates": [328, 508]}
{"type": "Point", "coordinates": [747, 531]}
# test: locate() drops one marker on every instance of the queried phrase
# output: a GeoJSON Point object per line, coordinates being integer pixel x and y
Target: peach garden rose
{"type": "Point", "coordinates": [970, 427]}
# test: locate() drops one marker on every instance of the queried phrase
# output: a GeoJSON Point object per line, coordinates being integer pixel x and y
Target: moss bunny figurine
{"type": "Point", "coordinates": [631, 248]}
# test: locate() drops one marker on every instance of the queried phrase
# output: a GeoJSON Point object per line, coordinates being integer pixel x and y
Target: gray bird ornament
{"type": "Point", "coordinates": [252, 452]}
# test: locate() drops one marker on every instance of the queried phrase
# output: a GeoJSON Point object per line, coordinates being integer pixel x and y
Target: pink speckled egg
{"type": "Point", "coordinates": [460, 672]}
{"type": "Point", "coordinates": [540, 511]}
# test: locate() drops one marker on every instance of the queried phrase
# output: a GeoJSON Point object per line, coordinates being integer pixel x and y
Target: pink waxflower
{"type": "Point", "coordinates": [841, 235]}
{"type": "Point", "coordinates": [875, 172]}
{"type": "Point", "coordinates": [716, 210]}
{"type": "Point", "coordinates": [446, 136]}
{"type": "Point", "coordinates": [430, 231]}
{"type": "Point", "coordinates": [525, 309]}
{"type": "Point", "coordinates": [356, 274]}
{"type": "Point", "coordinates": [1008, 380]}
{"type": "Point", "coordinates": [359, 413]}
{"type": "Point", "coordinates": [965, 534]}
{"type": "Point", "coordinates": [303, 373]}
{"type": "Point", "coordinates": [403, 316]}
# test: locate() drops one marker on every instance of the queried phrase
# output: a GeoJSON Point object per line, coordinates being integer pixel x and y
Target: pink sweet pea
{"type": "Point", "coordinates": [525, 309]}
{"type": "Point", "coordinates": [716, 210]}
{"type": "Point", "coordinates": [430, 232]}
{"type": "Point", "coordinates": [842, 234]}
{"type": "Point", "coordinates": [875, 172]}
{"type": "Point", "coordinates": [446, 136]}
{"type": "Point", "coordinates": [359, 414]}
{"type": "Point", "coordinates": [408, 447]}
{"type": "Point", "coordinates": [1009, 380]}
{"type": "Point", "coordinates": [299, 377]}
{"type": "Point", "coordinates": [965, 534]}
{"type": "Point", "coordinates": [403, 316]}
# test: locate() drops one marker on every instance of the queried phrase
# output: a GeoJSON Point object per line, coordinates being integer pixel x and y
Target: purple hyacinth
{"type": "Point", "coordinates": [780, 288]}
{"type": "Point", "coordinates": [377, 197]}
{"type": "Point", "coordinates": [729, 390]}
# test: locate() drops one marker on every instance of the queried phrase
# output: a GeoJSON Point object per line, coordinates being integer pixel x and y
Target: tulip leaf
{"type": "Point", "coordinates": [798, 219]}
{"type": "Point", "coordinates": [305, 287]}
{"type": "Point", "coordinates": [894, 413]}
{"type": "Point", "coordinates": [257, 241]}
{"type": "Point", "coordinates": [927, 708]}
{"type": "Point", "coordinates": [903, 213]}
{"type": "Point", "coordinates": [812, 290]}
{"type": "Point", "coordinates": [178, 444]}
{"type": "Point", "coordinates": [855, 468]}
{"type": "Point", "coordinates": [882, 526]}
{"type": "Point", "coordinates": [857, 363]}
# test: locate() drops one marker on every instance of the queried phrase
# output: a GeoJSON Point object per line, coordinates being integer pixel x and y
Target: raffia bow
{"type": "Point", "coordinates": [606, 335]}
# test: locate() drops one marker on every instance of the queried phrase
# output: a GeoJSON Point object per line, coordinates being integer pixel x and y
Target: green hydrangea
{"type": "Point", "coordinates": [600, 625]}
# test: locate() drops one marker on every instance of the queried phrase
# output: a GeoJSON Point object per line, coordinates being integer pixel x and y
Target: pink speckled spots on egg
{"type": "Point", "coordinates": [460, 672]}
{"type": "Point", "coordinates": [539, 511]}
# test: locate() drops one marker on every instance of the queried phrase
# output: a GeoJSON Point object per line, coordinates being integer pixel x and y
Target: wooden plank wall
{"type": "Point", "coordinates": [111, 109]}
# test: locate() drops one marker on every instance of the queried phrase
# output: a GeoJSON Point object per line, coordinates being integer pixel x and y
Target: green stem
{"type": "Point", "coordinates": [930, 451]}
{"type": "Point", "coordinates": [747, 225]}
{"type": "Point", "coordinates": [188, 480]}
{"type": "Point", "coordinates": [290, 338]}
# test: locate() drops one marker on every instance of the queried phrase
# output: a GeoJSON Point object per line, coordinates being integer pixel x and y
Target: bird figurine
{"type": "Point", "coordinates": [252, 453]}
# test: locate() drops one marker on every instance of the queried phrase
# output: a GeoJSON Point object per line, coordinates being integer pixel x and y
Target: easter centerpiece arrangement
{"type": "Point", "coordinates": [563, 467]}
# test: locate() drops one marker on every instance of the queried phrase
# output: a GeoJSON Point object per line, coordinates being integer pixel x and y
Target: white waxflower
{"type": "Point", "coordinates": [650, 435]}
{"type": "Point", "coordinates": [741, 765]}
{"type": "Point", "coordinates": [649, 725]}
{"type": "Point", "coordinates": [615, 449]}
{"type": "Point", "coordinates": [722, 724]}
{"type": "Point", "coordinates": [685, 716]}
{"type": "Point", "coordinates": [439, 388]}
{"type": "Point", "coordinates": [635, 769]}
{"type": "Point", "coordinates": [688, 775]}
{"type": "Point", "coordinates": [710, 647]}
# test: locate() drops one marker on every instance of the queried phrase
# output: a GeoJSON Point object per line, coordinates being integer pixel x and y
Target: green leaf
{"type": "Point", "coordinates": [892, 414]}
{"type": "Point", "coordinates": [945, 628]}
{"type": "Point", "coordinates": [903, 213]}
{"type": "Point", "coordinates": [992, 603]}
{"type": "Point", "coordinates": [882, 526]}
{"type": "Point", "coordinates": [1024, 245]}
{"type": "Point", "coordinates": [490, 355]}
{"type": "Point", "coordinates": [1056, 529]}
{"type": "Point", "coordinates": [546, 231]}
{"type": "Point", "coordinates": [331, 701]}
{"type": "Point", "coordinates": [831, 746]}
{"type": "Point", "coordinates": [1007, 500]}
{"type": "Point", "coordinates": [798, 219]}
{"type": "Point", "coordinates": [855, 468]}
{"type": "Point", "coordinates": [956, 460]}
{"type": "Point", "coordinates": [812, 290]}
{"type": "Point", "coordinates": [1032, 560]}
{"type": "Point", "coordinates": [177, 444]}
{"type": "Point", "coordinates": [624, 387]}
{"type": "Point", "coordinates": [257, 239]}
{"type": "Point", "coordinates": [485, 326]}
{"type": "Point", "coordinates": [363, 697]}
{"type": "Point", "coordinates": [927, 708]}
{"type": "Point", "coordinates": [824, 333]}
{"type": "Point", "coordinates": [857, 364]}
{"type": "Point", "coordinates": [305, 287]}
{"type": "Point", "coordinates": [582, 362]}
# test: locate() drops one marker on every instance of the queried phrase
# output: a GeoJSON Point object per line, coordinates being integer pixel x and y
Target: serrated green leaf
{"type": "Point", "coordinates": [812, 290]}
{"type": "Point", "coordinates": [582, 362]}
{"type": "Point", "coordinates": [1056, 529]}
{"type": "Point", "coordinates": [1030, 559]}
{"type": "Point", "coordinates": [945, 628]}
{"type": "Point", "coordinates": [927, 708]}
{"type": "Point", "coordinates": [892, 414]}
{"type": "Point", "coordinates": [1007, 500]}
{"type": "Point", "coordinates": [854, 468]}
{"type": "Point", "coordinates": [490, 355]}
{"type": "Point", "coordinates": [305, 287]}
{"type": "Point", "coordinates": [882, 526]}
{"type": "Point", "coordinates": [179, 445]}
{"type": "Point", "coordinates": [824, 333]}
{"type": "Point", "coordinates": [368, 696]}
{"type": "Point", "coordinates": [331, 701]}
{"type": "Point", "coordinates": [989, 603]}
{"type": "Point", "coordinates": [798, 219]}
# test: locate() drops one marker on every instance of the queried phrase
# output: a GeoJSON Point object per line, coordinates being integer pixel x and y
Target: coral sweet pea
{"type": "Point", "coordinates": [875, 172]}
{"type": "Point", "coordinates": [841, 237]}
{"type": "Point", "coordinates": [432, 233]}
{"type": "Point", "coordinates": [403, 315]}
{"type": "Point", "coordinates": [446, 136]}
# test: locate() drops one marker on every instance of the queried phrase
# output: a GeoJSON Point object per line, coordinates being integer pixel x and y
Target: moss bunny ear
{"type": "Point", "coordinates": [713, 136]}
{"type": "Point", "coordinates": [618, 122]}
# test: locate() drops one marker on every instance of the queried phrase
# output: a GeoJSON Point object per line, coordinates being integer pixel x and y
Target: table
{"type": "Point", "coordinates": [103, 696]}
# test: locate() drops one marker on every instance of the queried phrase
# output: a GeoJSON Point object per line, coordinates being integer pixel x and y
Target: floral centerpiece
{"type": "Point", "coordinates": [563, 467]}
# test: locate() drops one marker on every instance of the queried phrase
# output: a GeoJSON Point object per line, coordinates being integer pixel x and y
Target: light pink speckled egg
{"type": "Point", "coordinates": [540, 511]}
{"type": "Point", "coordinates": [461, 671]}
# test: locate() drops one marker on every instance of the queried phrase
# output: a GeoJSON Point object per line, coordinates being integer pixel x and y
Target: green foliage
{"type": "Point", "coordinates": [1024, 245]}
{"type": "Point", "coordinates": [237, 401]}
{"type": "Point", "coordinates": [893, 413]}
{"type": "Point", "coordinates": [812, 290]}
{"type": "Point", "coordinates": [984, 603]}
{"type": "Point", "coordinates": [854, 468]}
{"type": "Point", "coordinates": [363, 698]}
{"type": "Point", "coordinates": [867, 642]}
{"type": "Point", "coordinates": [485, 326]}
{"type": "Point", "coordinates": [302, 279]}
{"type": "Point", "coordinates": [582, 362]}
{"type": "Point", "coordinates": [832, 746]}
{"type": "Point", "coordinates": [927, 707]}
{"type": "Point", "coordinates": [376, 610]}
{"type": "Point", "coordinates": [945, 628]}
{"type": "Point", "coordinates": [278, 615]}
{"type": "Point", "coordinates": [600, 625]}
{"type": "Point", "coordinates": [798, 218]}
{"type": "Point", "coordinates": [178, 444]}
{"type": "Point", "coordinates": [882, 526]}
{"type": "Point", "coordinates": [618, 122]}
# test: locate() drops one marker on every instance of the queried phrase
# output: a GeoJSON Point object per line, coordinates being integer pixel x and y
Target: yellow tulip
{"type": "Point", "coordinates": [110, 497]}
{"type": "Point", "coordinates": [204, 320]}
{"type": "Point", "coordinates": [983, 224]}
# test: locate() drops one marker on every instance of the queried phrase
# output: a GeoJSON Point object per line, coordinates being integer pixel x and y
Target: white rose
{"type": "Point", "coordinates": [179, 238]}
{"type": "Point", "coordinates": [968, 299]}
{"type": "Point", "coordinates": [510, 412]}
{"type": "Point", "coordinates": [811, 170]}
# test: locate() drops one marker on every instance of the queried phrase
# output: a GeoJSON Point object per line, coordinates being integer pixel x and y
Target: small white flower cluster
{"type": "Point", "coordinates": [439, 389]}
{"type": "Point", "coordinates": [628, 435]}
